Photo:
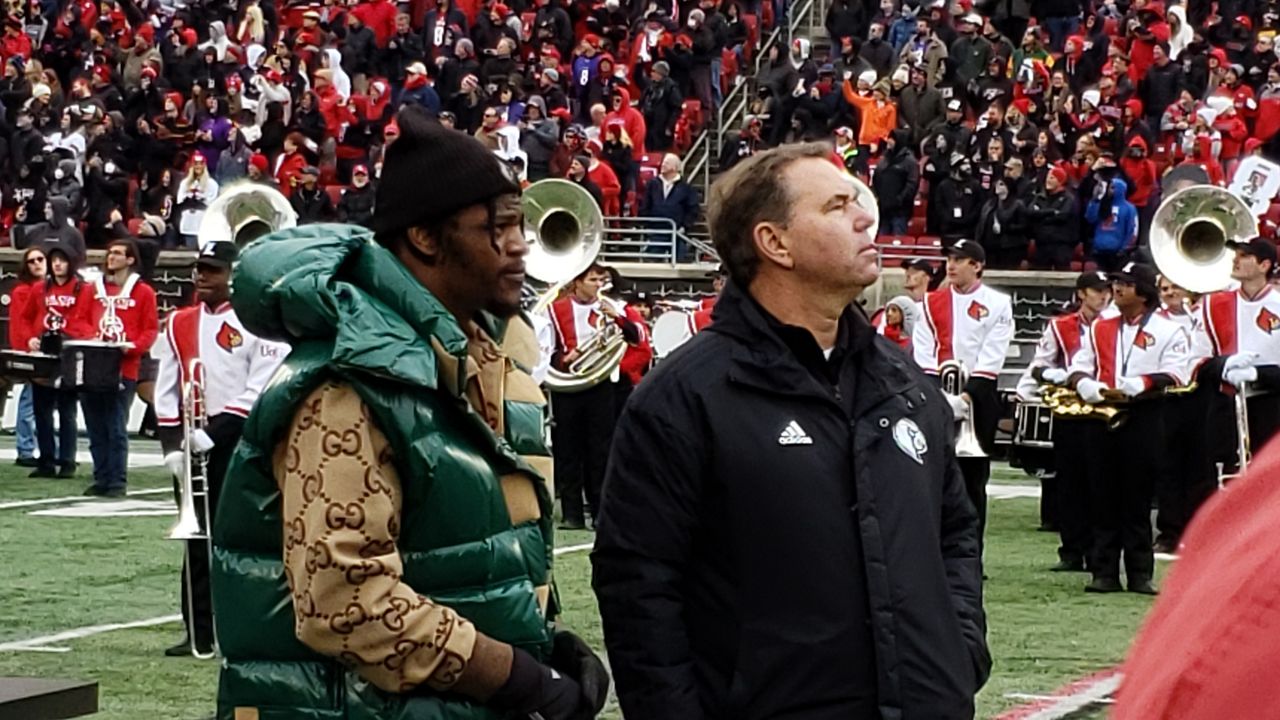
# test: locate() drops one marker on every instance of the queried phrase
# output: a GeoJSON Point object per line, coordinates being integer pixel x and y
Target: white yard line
{"type": "Point", "coordinates": [1091, 694]}
{"type": "Point", "coordinates": [74, 498]}
{"type": "Point", "coordinates": [573, 548]}
{"type": "Point", "coordinates": [46, 642]}
{"type": "Point", "coordinates": [136, 459]}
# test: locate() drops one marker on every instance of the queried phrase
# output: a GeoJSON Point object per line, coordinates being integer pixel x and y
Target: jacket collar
{"type": "Point", "coordinates": [763, 361]}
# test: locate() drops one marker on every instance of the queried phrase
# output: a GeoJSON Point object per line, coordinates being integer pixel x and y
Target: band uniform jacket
{"type": "Point", "coordinates": [974, 327]}
{"type": "Point", "coordinates": [740, 489]}
{"type": "Point", "coordinates": [1058, 344]}
{"type": "Point", "coordinates": [1151, 347]}
{"type": "Point", "coordinates": [1230, 323]}
{"type": "Point", "coordinates": [237, 363]}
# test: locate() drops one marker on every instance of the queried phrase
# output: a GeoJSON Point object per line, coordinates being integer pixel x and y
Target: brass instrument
{"type": "Point", "coordinates": [244, 212]}
{"type": "Point", "coordinates": [1190, 232]}
{"type": "Point", "coordinates": [953, 375]}
{"type": "Point", "coordinates": [565, 231]}
{"type": "Point", "coordinates": [1189, 236]}
{"type": "Point", "coordinates": [195, 511]}
{"type": "Point", "coordinates": [1066, 402]}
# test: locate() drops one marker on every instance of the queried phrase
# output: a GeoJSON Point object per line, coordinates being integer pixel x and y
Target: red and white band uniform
{"type": "Point", "coordinates": [576, 324]}
{"type": "Point", "coordinates": [975, 328]}
{"type": "Point", "coordinates": [135, 306]}
{"type": "Point", "coordinates": [1058, 344]}
{"type": "Point", "coordinates": [1243, 331]}
{"type": "Point", "coordinates": [237, 363]}
{"type": "Point", "coordinates": [1147, 353]}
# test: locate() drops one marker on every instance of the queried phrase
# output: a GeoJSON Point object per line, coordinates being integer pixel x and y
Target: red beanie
{"type": "Point", "coordinates": [147, 32]}
{"type": "Point", "coordinates": [1059, 173]}
{"type": "Point", "coordinates": [259, 161]}
{"type": "Point", "coordinates": [102, 73]}
{"type": "Point", "coordinates": [189, 37]}
{"type": "Point", "coordinates": [149, 72]}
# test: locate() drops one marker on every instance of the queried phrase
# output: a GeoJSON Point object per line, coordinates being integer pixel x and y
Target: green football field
{"type": "Point", "coordinates": [72, 565]}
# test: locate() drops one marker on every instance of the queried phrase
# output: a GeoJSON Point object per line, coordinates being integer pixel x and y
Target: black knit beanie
{"type": "Point", "coordinates": [431, 172]}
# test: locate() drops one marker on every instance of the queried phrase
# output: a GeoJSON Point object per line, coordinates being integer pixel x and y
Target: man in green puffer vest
{"type": "Point", "coordinates": [383, 543]}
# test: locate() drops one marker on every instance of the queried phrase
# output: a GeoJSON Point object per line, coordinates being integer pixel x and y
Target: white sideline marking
{"type": "Point", "coordinates": [572, 548]}
{"type": "Point", "coordinates": [118, 509]}
{"type": "Point", "coordinates": [1005, 492]}
{"type": "Point", "coordinates": [73, 498]}
{"type": "Point", "coordinates": [45, 643]}
{"type": "Point", "coordinates": [1091, 694]}
{"type": "Point", "coordinates": [136, 459]}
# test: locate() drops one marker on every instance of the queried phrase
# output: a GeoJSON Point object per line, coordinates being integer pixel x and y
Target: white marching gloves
{"type": "Point", "coordinates": [1240, 360]}
{"type": "Point", "coordinates": [1056, 376]}
{"type": "Point", "coordinates": [201, 442]}
{"type": "Point", "coordinates": [959, 406]}
{"type": "Point", "coordinates": [1090, 390]}
{"type": "Point", "coordinates": [176, 462]}
{"type": "Point", "coordinates": [1131, 386]}
{"type": "Point", "coordinates": [1240, 376]}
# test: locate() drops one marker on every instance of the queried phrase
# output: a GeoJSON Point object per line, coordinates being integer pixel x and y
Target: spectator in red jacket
{"type": "Point", "coordinates": [380, 17]}
{"type": "Point", "coordinates": [15, 42]}
{"type": "Point", "coordinates": [1144, 179]}
{"type": "Point", "coordinates": [631, 119]}
{"type": "Point", "coordinates": [291, 162]}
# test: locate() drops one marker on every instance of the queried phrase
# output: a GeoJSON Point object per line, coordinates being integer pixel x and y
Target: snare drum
{"type": "Point", "coordinates": [672, 329]}
{"type": "Point", "coordinates": [1032, 425]}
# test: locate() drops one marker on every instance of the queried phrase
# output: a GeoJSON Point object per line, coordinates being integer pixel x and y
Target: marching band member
{"type": "Point", "coordinates": [1189, 475]}
{"type": "Point", "coordinates": [702, 316]}
{"type": "Point", "coordinates": [61, 306]}
{"type": "Point", "coordinates": [132, 318]}
{"type": "Point", "coordinates": [236, 366]}
{"type": "Point", "coordinates": [919, 279]}
{"type": "Point", "coordinates": [584, 420]}
{"type": "Point", "coordinates": [1138, 354]}
{"type": "Point", "coordinates": [638, 356]}
{"type": "Point", "coordinates": [1243, 328]}
{"type": "Point", "coordinates": [1065, 498]}
{"type": "Point", "coordinates": [972, 323]}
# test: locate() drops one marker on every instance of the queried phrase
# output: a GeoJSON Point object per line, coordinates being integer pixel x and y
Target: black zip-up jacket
{"type": "Point", "coordinates": [779, 542]}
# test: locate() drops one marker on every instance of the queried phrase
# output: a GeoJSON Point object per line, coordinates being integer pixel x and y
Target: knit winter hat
{"type": "Point", "coordinates": [432, 171]}
{"type": "Point", "coordinates": [1059, 173]}
{"type": "Point", "coordinates": [867, 76]}
{"type": "Point", "coordinates": [259, 161]}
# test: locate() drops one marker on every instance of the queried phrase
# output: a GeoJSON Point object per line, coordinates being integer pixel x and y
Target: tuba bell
{"type": "Point", "coordinates": [244, 212]}
{"type": "Point", "coordinates": [1190, 232]}
{"type": "Point", "coordinates": [565, 232]}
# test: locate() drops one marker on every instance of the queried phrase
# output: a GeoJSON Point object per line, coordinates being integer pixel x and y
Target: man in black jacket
{"type": "Point", "coordinates": [1052, 216]}
{"type": "Point", "coordinates": [784, 530]}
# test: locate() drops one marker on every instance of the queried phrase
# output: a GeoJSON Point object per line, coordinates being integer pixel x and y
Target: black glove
{"type": "Point", "coordinates": [573, 657]}
{"type": "Point", "coordinates": [535, 688]}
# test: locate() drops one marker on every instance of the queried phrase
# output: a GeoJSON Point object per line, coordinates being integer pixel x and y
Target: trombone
{"type": "Point", "coordinates": [1189, 236]}
{"type": "Point", "coordinates": [953, 375]}
{"type": "Point", "coordinates": [195, 511]}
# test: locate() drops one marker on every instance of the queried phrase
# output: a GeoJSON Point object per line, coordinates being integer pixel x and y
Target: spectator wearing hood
{"type": "Point", "coordinates": [1002, 226]}
{"type": "Point", "coordinates": [1052, 216]}
{"type": "Point", "coordinates": [660, 108]}
{"type": "Point", "coordinates": [67, 185]}
{"type": "Point", "coordinates": [1082, 70]}
{"type": "Point", "coordinates": [233, 162]}
{"type": "Point", "coordinates": [1115, 224]}
{"type": "Point", "coordinates": [619, 152]}
{"type": "Point", "coordinates": [895, 182]}
{"type": "Point", "coordinates": [993, 87]}
{"type": "Point", "coordinates": [920, 106]}
{"type": "Point", "coordinates": [1232, 131]}
{"type": "Point", "coordinates": [961, 200]}
{"type": "Point", "coordinates": [1144, 182]}
{"type": "Point", "coordinates": [106, 192]}
{"type": "Point", "coordinates": [539, 138]}
{"type": "Point", "coordinates": [56, 228]}
{"type": "Point", "coordinates": [632, 119]}
{"type": "Point", "coordinates": [878, 53]}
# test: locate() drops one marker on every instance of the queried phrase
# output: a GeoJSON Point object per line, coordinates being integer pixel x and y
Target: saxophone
{"type": "Point", "coordinates": [1066, 402]}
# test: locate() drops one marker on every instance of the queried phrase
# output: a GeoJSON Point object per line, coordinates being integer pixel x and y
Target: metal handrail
{"type": "Point", "coordinates": [650, 240]}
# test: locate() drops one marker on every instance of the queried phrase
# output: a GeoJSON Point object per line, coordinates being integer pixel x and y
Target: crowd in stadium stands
{"type": "Point", "coordinates": [126, 117]}
{"type": "Point", "coordinates": [1041, 130]}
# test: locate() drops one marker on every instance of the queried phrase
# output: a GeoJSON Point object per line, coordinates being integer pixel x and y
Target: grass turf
{"type": "Point", "coordinates": [61, 573]}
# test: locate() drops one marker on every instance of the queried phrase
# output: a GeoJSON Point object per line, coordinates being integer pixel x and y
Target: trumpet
{"type": "Point", "coordinates": [953, 375]}
{"type": "Point", "coordinates": [195, 511]}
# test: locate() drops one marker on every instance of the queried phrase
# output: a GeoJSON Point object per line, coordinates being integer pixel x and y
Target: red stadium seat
{"type": "Point", "coordinates": [929, 245]}
{"type": "Point", "coordinates": [1076, 265]}
{"type": "Point", "coordinates": [920, 208]}
{"type": "Point", "coordinates": [753, 35]}
{"type": "Point", "coordinates": [134, 224]}
{"type": "Point", "coordinates": [916, 226]}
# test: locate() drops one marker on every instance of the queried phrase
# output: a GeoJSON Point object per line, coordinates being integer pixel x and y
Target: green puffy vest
{"type": "Point", "coordinates": [353, 314]}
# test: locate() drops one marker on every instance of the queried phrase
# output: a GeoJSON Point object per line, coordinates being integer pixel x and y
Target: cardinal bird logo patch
{"type": "Point", "coordinates": [1268, 321]}
{"type": "Point", "coordinates": [1143, 340]}
{"type": "Point", "coordinates": [229, 338]}
{"type": "Point", "coordinates": [977, 310]}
